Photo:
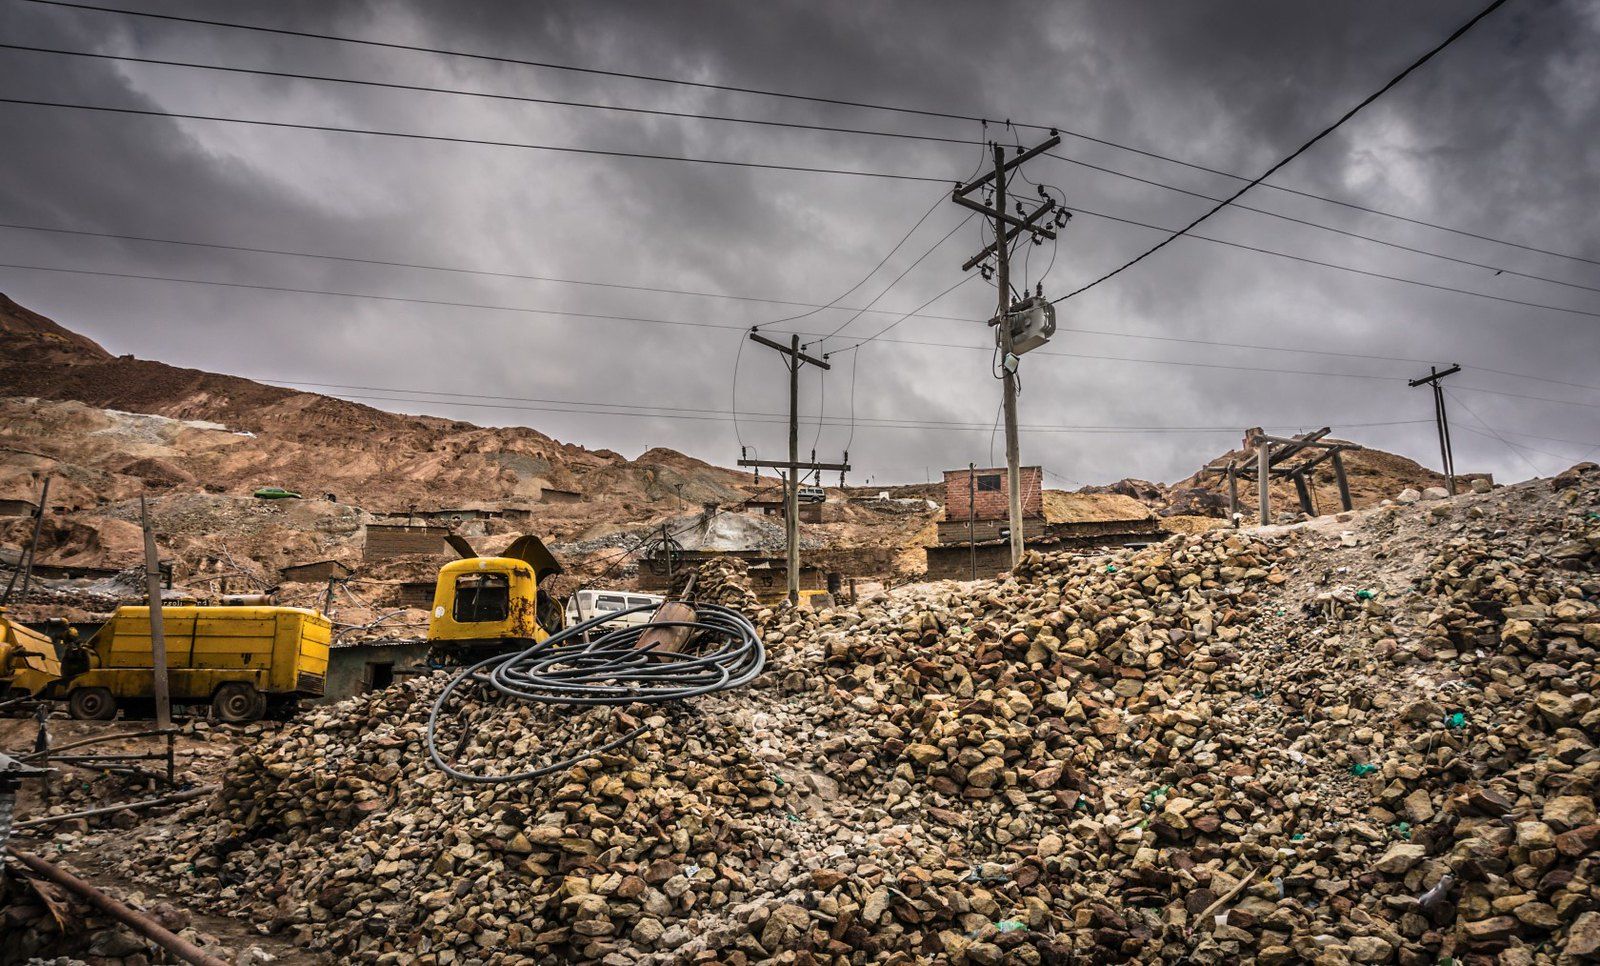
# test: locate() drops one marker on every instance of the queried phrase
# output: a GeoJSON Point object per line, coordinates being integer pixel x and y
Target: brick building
{"type": "Point", "coordinates": [990, 499]}
{"type": "Point", "coordinates": [979, 541]}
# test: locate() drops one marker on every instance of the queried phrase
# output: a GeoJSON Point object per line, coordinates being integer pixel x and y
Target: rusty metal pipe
{"type": "Point", "coordinates": [125, 914]}
{"type": "Point", "coordinates": [97, 739]}
{"type": "Point", "coordinates": [173, 799]}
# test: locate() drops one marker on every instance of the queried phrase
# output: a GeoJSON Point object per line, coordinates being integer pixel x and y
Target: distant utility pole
{"type": "Point", "coordinates": [1445, 452]}
{"type": "Point", "coordinates": [1006, 228]}
{"type": "Point", "coordinates": [794, 359]}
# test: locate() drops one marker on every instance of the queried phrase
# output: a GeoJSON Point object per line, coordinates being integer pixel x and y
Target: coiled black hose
{"type": "Point", "coordinates": [611, 669]}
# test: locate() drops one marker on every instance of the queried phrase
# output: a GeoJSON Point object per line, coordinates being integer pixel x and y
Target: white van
{"type": "Point", "coordinates": [586, 605]}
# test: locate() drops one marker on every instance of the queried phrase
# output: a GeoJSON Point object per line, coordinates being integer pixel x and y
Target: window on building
{"type": "Point", "coordinates": [989, 483]}
{"type": "Point", "coordinates": [482, 597]}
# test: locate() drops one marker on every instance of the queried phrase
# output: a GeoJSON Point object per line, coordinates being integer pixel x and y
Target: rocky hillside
{"type": "Point", "coordinates": [231, 435]}
{"type": "Point", "coordinates": [1368, 738]}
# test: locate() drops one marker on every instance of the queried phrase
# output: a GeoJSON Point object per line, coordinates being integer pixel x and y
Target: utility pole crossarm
{"type": "Point", "coordinates": [788, 351]}
{"type": "Point", "coordinates": [784, 464]}
{"type": "Point", "coordinates": [1011, 234]}
{"type": "Point", "coordinates": [1028, 155]}
{"type": "Point", "coordinates": [1434, 377]}
{"type": "Point", "coordinates": [1023, 223]}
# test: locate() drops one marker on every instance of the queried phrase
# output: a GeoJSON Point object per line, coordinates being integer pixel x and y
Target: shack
{"type": "Point", "coordinates": [18, 508]}
{"type": "Point", "coordinates": [314, 572]}
{"type": "Point", "coordinates": [363, 666]}
{"type": "Point", "coordinates": [980, 544]}
{"type": "Point", "coordinates": [393, 540]}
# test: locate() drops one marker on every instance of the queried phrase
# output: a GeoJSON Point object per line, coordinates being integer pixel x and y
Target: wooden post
{"type": "Point", "coordinates": [1263, 474]}
{"type": "Point", "coordinates": [1009, 382]}
{"type": "Point", "coordinates": [972, 511]}
{"type": "Point", "coordinates": [158, 635]}
{"type": "Point", "coordinates": [1233, 494]}
{"type": "Point", "coordinates": [1339, 477]}
{"type": "Point", "coordinates": [1304, 492]}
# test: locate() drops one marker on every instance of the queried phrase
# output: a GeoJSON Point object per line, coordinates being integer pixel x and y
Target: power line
{"type": "Point", "coordinates": [914, 427]}
{"type": "Point", "coordinates": [878, 336]}
{"type": "Point", "coordinates": [711, 295]}
{"type": "Point", "coordinates": [488, 95]}
{"type": "Point", "coordinates": [1507, 443]}
{"type": "Point", "coordinates": [542, 404]}
{"type": "Point", "coordinates": [440, 138]}
{"type": "Point", "coordinates": [915, 313]}
{"type": "Point", "coordinates": [896, 109]}
{"type": "Point", "coordinates": [1459, 31]}
{"type": "Point", "coordinates": [1497, 269]}
{"type": "Point", "coordinates": [658, 290]}
{"type": "Point", "coordinates": [691, 115]}
{"type": "Point", "coordinates": [1520, 395]}
{"type": "Point", "coordinates": [1186, 233]}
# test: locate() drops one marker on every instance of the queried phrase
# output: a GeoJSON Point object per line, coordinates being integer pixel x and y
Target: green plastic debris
{"type": "Point", "coordinates": [1402, 829]}
{"type": "Point", "coordinates": [1011, 925]}
{"type": "Point", "coordinates": [1366, 594]}
{"type": "Point", "coordinates": [1111, 568]}
{"type": "Point", "coordinates": [1298, 837]}
{"type": "Point", "coordinates": [1457, 720]}
{"type": "Point", "coordinates": [1359, 770]}
{"type": "Point", "coordinates": [275, 493]}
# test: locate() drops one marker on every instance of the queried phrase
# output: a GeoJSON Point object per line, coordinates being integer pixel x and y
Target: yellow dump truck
{"type": "Point", "coordinates": [245, 662]}
{"type": "Point", "coordinates": [484, 604]}
{"type": "Point", "coordinates": [28, 661]}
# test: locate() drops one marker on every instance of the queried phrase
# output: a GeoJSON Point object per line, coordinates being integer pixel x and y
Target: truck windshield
{"type": "Point", "coordinates": [482, 597]}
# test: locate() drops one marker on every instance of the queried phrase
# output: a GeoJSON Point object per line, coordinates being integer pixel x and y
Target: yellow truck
{"type": "Point", "coordinates": [28, 661]}
{"type": "Point", "coordinates": [484, 604]}
{"type": "Point", "coordinates": [246, 662]}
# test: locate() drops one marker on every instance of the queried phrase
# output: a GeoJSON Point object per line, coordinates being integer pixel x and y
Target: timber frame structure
{"type": "Point", "coordinates": [1273, 454]}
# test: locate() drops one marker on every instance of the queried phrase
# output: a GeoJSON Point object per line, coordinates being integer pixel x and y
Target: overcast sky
{"type": "Point", "coordinates": [1498, 136]}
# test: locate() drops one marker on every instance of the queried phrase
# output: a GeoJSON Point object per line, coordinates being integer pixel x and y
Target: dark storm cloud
{"type": "Point", "coordinates": [1496, 136]}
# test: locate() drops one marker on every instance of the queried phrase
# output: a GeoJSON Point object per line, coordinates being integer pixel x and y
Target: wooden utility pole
{"type": "Point", "coordinates": [1446, 454]}
{"type": "Point", "coordinates": [972, 515]}
{"type": "Point", "coordinates": [794, 359]}
{"type": "Point", "coordinates": [1006, 228]}
{"type": "Point", "coordinates": [158, 635]}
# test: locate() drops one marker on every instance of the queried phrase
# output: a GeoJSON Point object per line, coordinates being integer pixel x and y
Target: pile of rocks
{"type": "Point", "coordinates": [1367, 738]}
{"type": "Point", "coordinates": [720, 580]}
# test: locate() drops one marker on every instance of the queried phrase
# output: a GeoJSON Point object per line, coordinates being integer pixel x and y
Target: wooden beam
{"type": "Point", "coordinates": [1233, 495]}
{"type": "Point", "coordinates": [1304, 492]}
{"type": "Point", "coordinates": [1344, 484]}
{"type": "Point", "coordinates": [1263, 474]}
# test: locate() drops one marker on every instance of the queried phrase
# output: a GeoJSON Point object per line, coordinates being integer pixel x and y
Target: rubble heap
{"type": "Point", "coordinates": [1369, 738]}
{"type": "Point", "coordinates": [720, 580]}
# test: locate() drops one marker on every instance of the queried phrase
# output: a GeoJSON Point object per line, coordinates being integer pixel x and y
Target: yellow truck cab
{"type": "Point", "coordinates": [489, 603]}
{"type": "Point", "coordinates": [244, 661]}
{"type": "Point", "coordinates": [28, 661]}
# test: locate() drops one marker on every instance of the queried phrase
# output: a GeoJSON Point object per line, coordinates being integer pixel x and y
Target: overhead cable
{"type": "Point", "coordinates": [787, 95]}
{"type": "Point", "coordinates": [1459, 31]}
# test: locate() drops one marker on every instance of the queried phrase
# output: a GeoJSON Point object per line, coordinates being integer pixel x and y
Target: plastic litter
{"type": "Point", "coordinates": [1366, 594]}
{"type": "Point", "coordinates": [1359, 770]}
{"type": "Point", "coordinates": [1011, 925]}
{"type": "Point", "coordinates": [1457, 720]}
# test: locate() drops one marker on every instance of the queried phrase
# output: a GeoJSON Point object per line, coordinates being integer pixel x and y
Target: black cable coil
{"type": "Point", "coordinates": [610, 669]}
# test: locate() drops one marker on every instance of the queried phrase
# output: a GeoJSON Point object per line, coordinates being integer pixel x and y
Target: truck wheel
{"type": "Point", "coordinates": [92, 704]}
{"type": "Point", "coordinates": [237, 703]}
